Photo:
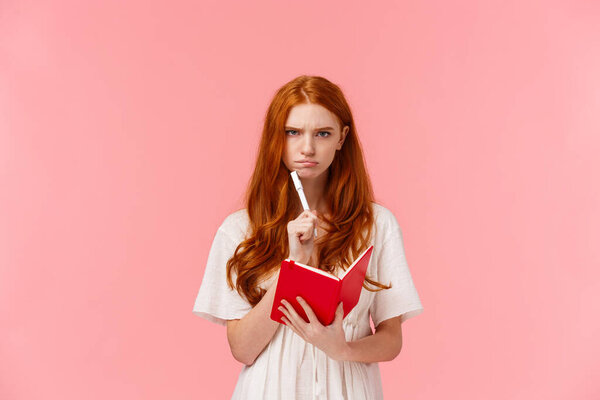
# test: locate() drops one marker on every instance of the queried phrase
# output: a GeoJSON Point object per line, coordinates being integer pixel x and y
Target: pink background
{"type": "Point", "coordinates": [128, 131]}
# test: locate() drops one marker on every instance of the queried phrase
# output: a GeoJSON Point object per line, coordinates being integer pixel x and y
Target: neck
{"type": "Point", "coordinates": [313, 190]}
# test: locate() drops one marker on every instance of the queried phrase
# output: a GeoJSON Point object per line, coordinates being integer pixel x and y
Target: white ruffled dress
{"type": "Point", "coordinates": [290, 368]}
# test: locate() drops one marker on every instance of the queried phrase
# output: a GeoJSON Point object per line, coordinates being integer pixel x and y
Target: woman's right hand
{"type": "Point", "coordinates": [301, 236]}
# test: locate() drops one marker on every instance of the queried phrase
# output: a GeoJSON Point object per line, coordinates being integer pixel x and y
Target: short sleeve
{"type": "Point", "coordinates": [402, 298]}
{"type": "Point", "coordinates": [216, 302]}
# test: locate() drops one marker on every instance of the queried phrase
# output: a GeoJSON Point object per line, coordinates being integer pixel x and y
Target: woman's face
{"type": "Point", "coordinates": [312, 133]}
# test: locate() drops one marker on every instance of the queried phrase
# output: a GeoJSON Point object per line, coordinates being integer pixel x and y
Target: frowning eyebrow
{"type": "Point", "coordinates": [318, 129]}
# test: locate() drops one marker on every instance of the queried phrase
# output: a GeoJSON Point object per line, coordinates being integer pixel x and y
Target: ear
{"type": "Point", "coordinates": [343, 136]}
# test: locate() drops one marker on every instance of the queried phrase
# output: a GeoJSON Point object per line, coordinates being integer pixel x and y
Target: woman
{"type": "Point", "coordinates": [308, 128]}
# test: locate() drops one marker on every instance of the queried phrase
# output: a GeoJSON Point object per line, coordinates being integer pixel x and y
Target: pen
{"type": "Point", "coordinates": [300, 191]}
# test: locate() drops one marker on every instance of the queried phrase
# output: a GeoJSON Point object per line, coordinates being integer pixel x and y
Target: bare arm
{"type": "Point", "coordinates": [384, 345]}
{"type": "Point", "coordinates": [249, 335]}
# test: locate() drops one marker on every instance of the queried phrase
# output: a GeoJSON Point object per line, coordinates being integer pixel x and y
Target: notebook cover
{"type": "Point", "coordinates": [317, 290]}
{"type": "Point", "coordinates": [322, 293]}
{"type": "Point", "coordinates": [353, 281]}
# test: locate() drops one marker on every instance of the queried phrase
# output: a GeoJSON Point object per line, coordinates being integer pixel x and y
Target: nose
{"type": "Point", "coordinates": [308, 145]}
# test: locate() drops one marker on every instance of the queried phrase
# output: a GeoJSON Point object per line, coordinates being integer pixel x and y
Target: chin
{"type": "Point", "coordinates": [309, 172]}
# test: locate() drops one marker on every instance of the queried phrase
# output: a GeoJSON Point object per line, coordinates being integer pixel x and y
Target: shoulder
{"type": "Point", "coordinates": [385, 222]}
{"type": "Point", "coordinates": [383, 216]}
{"type": "Point", "coordinates": [235, 225]}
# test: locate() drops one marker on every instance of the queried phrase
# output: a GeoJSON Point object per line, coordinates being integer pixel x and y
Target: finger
{"type": "Point", "coordinates": [293, 316]}
{"type": "Point", "coordinates": [309, 226]}
{"type": "Point", "coordinates": [312, 317]}
{"type": "Point", "coordinates": [289, 322]}
{"type": "Point", "coordinates": [313, 217]}
{"type": "Point", "coordinates": [309, 233]}
{"type": "Point", "coordinates": [292, 327]}
{"type": "Point", "coordinates": [306, 234]}
{"type": "Point", "coordinates": [306, 214]}
{"type": "Point", "coordinates": [304, 237]}
{"type": "Point", "coordinates": [311, 214]}
{"type": "Point", "coordinates": [306, 226]}
{"type": "Point", "coordinates": [284, 311]}
{"type": "Point", "coordinates": [339, 314]}
{"type": "Point", "coordinates": [304, 231]}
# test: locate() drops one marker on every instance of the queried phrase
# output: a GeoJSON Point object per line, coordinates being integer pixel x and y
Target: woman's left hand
{"type": "Point", "coordinates": [331, 339]}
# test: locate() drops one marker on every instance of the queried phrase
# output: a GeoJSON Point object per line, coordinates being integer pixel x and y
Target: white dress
{"type": "Point", "coordinates": [290, 368]}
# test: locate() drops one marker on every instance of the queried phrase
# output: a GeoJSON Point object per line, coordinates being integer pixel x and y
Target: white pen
{"type": "Point", "coordinates": [300, 191]}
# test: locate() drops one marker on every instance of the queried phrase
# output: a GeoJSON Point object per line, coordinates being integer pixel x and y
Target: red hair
{"type": "Point", "coordinates": [271, 199]}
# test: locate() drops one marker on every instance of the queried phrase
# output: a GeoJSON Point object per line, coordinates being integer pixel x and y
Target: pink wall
{"type": "Point", "coordinates": [127, 133]}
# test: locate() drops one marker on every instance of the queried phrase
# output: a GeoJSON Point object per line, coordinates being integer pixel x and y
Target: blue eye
{"type": "Point", "coordinates": [292, 130]}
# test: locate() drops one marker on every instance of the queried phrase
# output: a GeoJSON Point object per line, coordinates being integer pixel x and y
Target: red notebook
{"type": "Point", "coordinates": [321, 290]}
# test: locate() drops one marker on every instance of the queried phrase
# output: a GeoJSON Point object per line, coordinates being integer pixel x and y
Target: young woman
{"type": "Point", "coordinates": [308, 128]}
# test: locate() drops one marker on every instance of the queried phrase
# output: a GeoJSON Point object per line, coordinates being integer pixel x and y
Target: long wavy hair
{"type": "Point", "coordinates": [271, 198]}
